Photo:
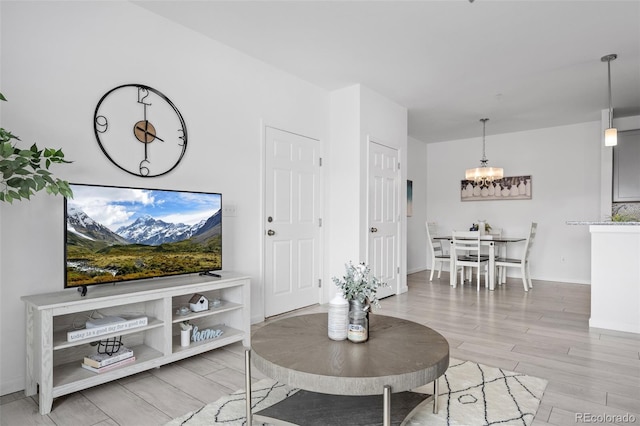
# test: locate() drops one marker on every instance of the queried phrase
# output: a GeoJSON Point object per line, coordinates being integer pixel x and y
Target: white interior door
{"type": "Point", "coordinates": [292, 222]}
{"type": "Point", "coordinates": [384, 216]}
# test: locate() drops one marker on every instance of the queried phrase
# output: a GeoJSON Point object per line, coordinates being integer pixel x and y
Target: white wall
{"type": "Point", "coordinates": [59, 58]}
{"type": "Point", "coordinates": [564, 163]}
{"type": "Point", "coordinates": [359, 115]}
{"type": "Point", "coordinates": [416, 233]}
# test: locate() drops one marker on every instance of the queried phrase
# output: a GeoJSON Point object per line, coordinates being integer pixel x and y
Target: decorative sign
{"type": "Point", "coordinates": [507, 188]}
{"type": "Point", "coordinates": [73, 336]}
{"type": "Point", "coordinates": [205, 334]}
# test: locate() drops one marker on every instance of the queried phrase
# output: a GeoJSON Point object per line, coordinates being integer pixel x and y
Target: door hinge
{"type": "Point", "coordinates": [319, 282]}
{"type": "Point", "coordinates": [398, 269]}
{"type": "Point", "coordinates": [398, 165]}
{"type": "Point", "coordinates": [320, 222]}
{"type": "Point", "coordinates": [320, 161]}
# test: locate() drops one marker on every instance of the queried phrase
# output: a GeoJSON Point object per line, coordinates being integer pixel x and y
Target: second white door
{"type": "Point", "coordinates": [384, 216]}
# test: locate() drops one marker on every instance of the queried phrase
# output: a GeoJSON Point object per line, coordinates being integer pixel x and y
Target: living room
{"type": "Point", "coordinates": [59, 58]}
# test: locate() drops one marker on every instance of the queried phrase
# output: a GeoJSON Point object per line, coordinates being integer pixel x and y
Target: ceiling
{"type": "Point", "coordinates": [523, 64]}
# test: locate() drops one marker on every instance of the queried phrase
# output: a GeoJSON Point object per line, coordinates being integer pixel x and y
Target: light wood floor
{"type": "Point", "coordinates": [543, 333]}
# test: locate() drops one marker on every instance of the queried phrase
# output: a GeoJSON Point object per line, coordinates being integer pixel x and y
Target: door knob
{"type": "Point", "coordinates": [374, 229]}
{"type": "Point", "coordinates": [271, 232]}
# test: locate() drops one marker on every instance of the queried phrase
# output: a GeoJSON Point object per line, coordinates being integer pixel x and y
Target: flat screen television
{"type": "Point", "coordinates": [115, 234]}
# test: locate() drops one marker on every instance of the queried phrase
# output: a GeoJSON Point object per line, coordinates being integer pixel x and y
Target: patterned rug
{"type": "Point", "coordinates": [470, 394]}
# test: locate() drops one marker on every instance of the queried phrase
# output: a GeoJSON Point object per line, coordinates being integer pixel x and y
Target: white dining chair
{"type": "Point", "coordinates": [438, 255]}
{"type": "Point", "coordinates": [466, 247]}
{"type": "Point", "coordinates": [522, 262]}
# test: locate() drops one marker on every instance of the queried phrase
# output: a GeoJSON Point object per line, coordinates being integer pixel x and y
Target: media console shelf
{"type": "Point", "coordinates": [54, 364]}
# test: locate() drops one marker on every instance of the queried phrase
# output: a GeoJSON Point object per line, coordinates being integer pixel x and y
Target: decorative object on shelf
{"type": "Point", "coordinates": [140, 130]}
{"type": "Point", "coordinates": [185, 333]}
{"type": "Point", "coordinates": [183, 310]}
{"type": "Point", "coordinates": [216, 302]}
{"type": "Point", "coordinates": [99, 360]}
{"type": "Point", "coordinates": [507, 188]}
{"type": "Point", "coordinates": [22, 173]}
{"type": "Point", "coordinates": [198, 303]}
{"type": "Point", "coordinates": [75, 335]}
{"type": "Point", "coordinates": [610, 134]}
{"type": "Point", "coordinates": [109, 346]}
{"type": "Point", "coordinates": [207, 333]}
{"type": "Point", "coordinates": [484, 174]}
{"type": "Point", "coordinates": [338, 317]}
{"type": "Point", "coordinates": [109, 367]}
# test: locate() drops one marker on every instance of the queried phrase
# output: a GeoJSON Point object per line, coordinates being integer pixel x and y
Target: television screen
{"type": "Point", "coordinates": [117, 234]}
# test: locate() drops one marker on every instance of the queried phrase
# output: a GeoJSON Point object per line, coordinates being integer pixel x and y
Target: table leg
{"type": "Point", "coordinates": [247, 377]}
{"type": "Point", "coordinates": [435, 396]}
{"type": "Point", "coordinates": [452, 266]}
{"type": "Point", "coordinates": [492, 265]}
{"type": "Point", "coordinates": [386, 406]}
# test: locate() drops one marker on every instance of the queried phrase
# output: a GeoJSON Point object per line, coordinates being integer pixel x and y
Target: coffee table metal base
{"type": "Point", "coordinates": [354, 403]}
{"type": "Point", "coordinates": [399, 356]}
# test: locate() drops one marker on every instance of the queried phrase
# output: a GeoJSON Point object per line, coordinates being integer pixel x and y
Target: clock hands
{"type": "Point", "coordinates": [146, 132]}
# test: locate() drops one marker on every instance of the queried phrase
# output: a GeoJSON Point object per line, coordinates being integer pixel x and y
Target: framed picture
{"type": "Point", "coordinates": [409, 198]}
{"type": "Point", "coordinates": [507, 188]}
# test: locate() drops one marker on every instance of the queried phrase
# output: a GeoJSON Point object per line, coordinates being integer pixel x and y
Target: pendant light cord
{"type": "Point", "coordinates": [608, 59]}
{"type": "Point", "coordinates": [610, 97]}
{"type": "Point", "coordinates": [484, 160]}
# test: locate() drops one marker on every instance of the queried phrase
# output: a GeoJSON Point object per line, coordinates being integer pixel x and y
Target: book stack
{"type": "Point", "coordinates": [101, 363]}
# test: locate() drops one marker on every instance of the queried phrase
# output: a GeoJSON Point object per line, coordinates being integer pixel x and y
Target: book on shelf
{"type": "Point", "coordinates": [110, 367]}
{"type": "Point", "coordinates": [98, 360]}
{"type": "Point", "coordinates": [86, 333]}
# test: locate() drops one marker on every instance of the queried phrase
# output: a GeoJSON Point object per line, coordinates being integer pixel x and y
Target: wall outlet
{"type": "Point", "coordinates": [229, 210]}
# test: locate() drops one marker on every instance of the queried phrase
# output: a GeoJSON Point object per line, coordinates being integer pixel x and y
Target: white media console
{"type": "Point", "coordinates": [54, 364]}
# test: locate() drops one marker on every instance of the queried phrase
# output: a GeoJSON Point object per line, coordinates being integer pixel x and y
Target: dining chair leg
{"type": "Point", "coordinates": [529, 276]}
{"type": "Point", "coordinates": [523, 271]}
{"type": "Point", "coordinates": [433, 265]}
{"type": "Point", "coordinates": [440, 269]}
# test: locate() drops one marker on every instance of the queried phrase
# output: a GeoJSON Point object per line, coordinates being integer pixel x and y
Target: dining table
{"type": "Point", "coordinates": [486, 241]}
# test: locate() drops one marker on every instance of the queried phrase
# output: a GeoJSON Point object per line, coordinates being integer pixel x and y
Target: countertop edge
{"type": "Point", "coordinates": [586, 222]}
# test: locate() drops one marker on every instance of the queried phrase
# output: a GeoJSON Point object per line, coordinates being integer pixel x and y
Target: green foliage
{"type": "Point", "coordinates": [111, 263]}
{"type": "Point", "coordinates": [23, 172]}
{"type": "Point", "coordinates": [620, 217]}
{"type": "Point", "coordinates": [358, 285]}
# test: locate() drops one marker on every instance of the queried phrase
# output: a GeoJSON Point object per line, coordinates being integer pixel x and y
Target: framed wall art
{"type": "Point", "coordinates": [507, 188]}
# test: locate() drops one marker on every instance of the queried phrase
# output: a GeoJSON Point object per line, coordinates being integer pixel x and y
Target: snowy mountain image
{"type": "Point", "coordinates": [149, 245]}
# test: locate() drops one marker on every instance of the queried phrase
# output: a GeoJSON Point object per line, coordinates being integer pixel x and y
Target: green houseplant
{"type": "Point", "coordinates": [23, 172]}
{"type": "Point", "coordinates": [357, 285]}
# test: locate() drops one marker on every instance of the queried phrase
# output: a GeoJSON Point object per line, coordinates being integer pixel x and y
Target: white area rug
{"type": "Point", "coordinates": [470, 394]}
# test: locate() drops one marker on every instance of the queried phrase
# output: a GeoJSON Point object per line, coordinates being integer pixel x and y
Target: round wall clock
{"type": "Point", "coordinates": [140, 130]}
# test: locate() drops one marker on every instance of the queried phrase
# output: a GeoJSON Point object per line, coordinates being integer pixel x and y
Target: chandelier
{"type": "Point", "coordinates": [484, 174]}
{"type": "Point", "coordinates": [610, 134]}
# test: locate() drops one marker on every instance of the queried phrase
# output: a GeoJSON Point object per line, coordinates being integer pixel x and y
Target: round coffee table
{"type": "Point", "coordinates": [400, 355]}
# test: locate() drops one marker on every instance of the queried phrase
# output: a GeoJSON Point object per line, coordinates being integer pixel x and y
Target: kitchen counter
{"type": "Point", "coordinates": [615, 276]}
{"type": "Point", "coordinates": [586, 222]}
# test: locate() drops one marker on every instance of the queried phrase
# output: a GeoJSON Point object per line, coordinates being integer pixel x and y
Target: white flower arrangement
{"type": "Point", "coordinates": [358, 285]}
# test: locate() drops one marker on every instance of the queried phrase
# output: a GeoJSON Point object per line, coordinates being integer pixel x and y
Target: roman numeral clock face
{"type": "Point", "coordinates": [140, 130]}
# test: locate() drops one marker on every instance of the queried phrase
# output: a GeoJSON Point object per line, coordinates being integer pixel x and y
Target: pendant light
{"type": "Point", "coordinates": [484, 174]}
{"type": "Point", "coordinates": [610, 134]}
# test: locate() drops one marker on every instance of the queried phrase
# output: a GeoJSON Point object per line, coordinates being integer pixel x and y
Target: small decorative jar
{"type": "Point", "coordinates": [358, 330]}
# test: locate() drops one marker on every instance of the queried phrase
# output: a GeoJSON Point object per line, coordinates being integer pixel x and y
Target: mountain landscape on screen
{"type": "Point", "coordinates": [148, 247]}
